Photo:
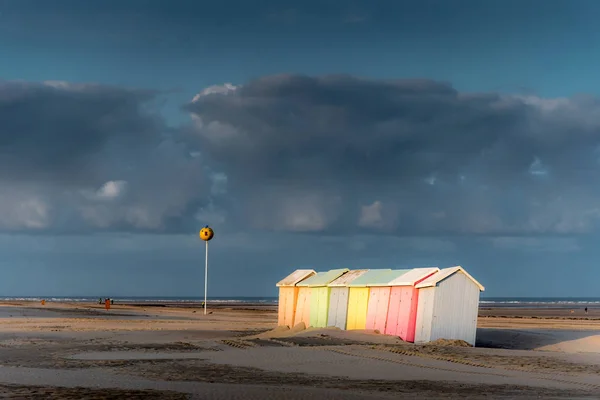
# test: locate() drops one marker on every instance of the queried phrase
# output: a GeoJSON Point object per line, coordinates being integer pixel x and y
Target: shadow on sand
{"type": "Point", "coordinates": [539, 339]}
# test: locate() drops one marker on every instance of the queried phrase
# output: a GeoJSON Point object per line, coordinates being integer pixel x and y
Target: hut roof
{"type": "Point", "coordinates": [385, 279]}
{"type": "Point", "coordinates": [348, 277]}
{"type": "Point", "coordinates": [413, 276]}
{"type": "Point", "coordinates": [372, 275]}
{"type": "Point", "coordinates": [323, 278]}
{"type": "Point", "coordinates": [296, 277]}
{"type": "Point", "coordinates": [445, 273]}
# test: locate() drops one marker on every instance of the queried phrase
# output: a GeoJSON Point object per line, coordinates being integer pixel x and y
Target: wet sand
{"type": "Point", "coordinates": [163, 351]}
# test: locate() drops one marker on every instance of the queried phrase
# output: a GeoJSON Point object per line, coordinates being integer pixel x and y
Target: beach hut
{"type": "Point", "coordinates": [404, 296]}
{"type": "Point", "coordinates": [288, 295]}
{"type": "Point", "coordinates": [448, 306]}
{"type": "Point", "coordinates": [379, 299]}
{"type": "Point", "coordinates": [313, 298]}
{"type": "Point", "coordinates": [338, 298]}
{"type": "Point", "coordinates": [358, 298]}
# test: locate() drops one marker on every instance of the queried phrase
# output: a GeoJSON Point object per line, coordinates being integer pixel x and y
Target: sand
{"type": "Point", "coordinates": [71, 351]}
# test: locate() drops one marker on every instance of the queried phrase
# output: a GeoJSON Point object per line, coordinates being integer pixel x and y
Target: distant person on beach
{"type": "Point", "coordinates": [586, 310]}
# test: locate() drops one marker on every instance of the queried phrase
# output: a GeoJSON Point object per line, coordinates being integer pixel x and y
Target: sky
{"type": "Point", "coordinates": [388, 134]}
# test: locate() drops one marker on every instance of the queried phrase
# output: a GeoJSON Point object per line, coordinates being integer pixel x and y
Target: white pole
{"type": "Point", "coordinates": [205, 277]}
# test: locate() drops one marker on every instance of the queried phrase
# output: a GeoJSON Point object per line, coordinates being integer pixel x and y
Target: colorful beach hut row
{"type": "Point", "coordinates": [418, 305]}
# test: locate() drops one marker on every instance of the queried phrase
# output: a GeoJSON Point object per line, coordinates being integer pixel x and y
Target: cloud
{"type": "Point", "coordinates": [112, 189]}
{"type": "Point", "coordinates": [331, 155]}
{"type": "Point", "coordinates": [79, 157]}
{"type": "Point", "coordinates": [23, 208]}
{"type": "Point", "coordinates": [335, 154]}
{"type": "Point", "coordinates": [378, 216]}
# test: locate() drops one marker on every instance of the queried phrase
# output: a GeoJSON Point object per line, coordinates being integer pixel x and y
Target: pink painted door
{"type": "Point", "coordinates": [372, 308]}
{"type": "Point", "coordinates": [378, 308]}
{"type": "Point", "coordinates": [382, 309]}
{"type": "Point", "coordinates": [391, 327]}
{"type": "Point", "coordinates": [412, 314]}
{"type": "Point", "coordinates": [402, 313]}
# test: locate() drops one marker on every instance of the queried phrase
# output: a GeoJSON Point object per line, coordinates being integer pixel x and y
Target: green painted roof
{"type": "Point", "coordinates": [323, 278]}
{"type": "Point", "coordinates": [372, 275]}
{"type": "Point", "coordinates": [385, 278]}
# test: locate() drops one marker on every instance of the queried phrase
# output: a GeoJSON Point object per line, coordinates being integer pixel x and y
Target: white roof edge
{"type": "Point", "coordinates": [399, 282]}
{"type": "Point", "coordinates": [434, 280]}
{"type": "Point", "coordinates": [307, 274]}
{"type": "Point", "coordinates": [311, 285]}
{"type": "Point", "coordinates": [343, 285]}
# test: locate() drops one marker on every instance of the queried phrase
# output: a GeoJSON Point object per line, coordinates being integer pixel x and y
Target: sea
{"type": "Point", "coordinates": [147, 299]}
{"type": "Point", "coordinates": [540, 302]}
{"type": "Point", "coordinates": [514, 302]}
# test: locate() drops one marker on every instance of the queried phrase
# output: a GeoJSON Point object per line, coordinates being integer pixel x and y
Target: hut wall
{"type": "Point", "coordinates": [288, 297]}
{"type": "Point", "coordinates": [424, 314]}
{"type": "Point", "coordinates": [358, 300]}
{"type": "Point", "coordinates": [448, 310]}
{"type": "Point", "coordinates": [455, 309]}
{"type": "Point", "coordinates": [338, 307]}
{"type": "Point", "coordinates": [402, 312]}
{"type": "Point", "coordinates": [281, 307]}
{"type": "Point", "coordinates": [377, 309]}
{"type": "Point", "coordinates": [303, 306]}
{"type": "Point", "coordinates": [319, 306]}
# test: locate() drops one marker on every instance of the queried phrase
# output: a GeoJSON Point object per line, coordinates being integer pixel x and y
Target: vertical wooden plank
{"type": "Point", "coordinates": [318, 307]}
{"type": "Point", "coordinates": [314, 307]}
{"type": "Point", "coordinates": [299, 306]}
{"type": "Point", "coordinates": [404, 312]}
{"type": "Point", "coordinates": [281, 307]}
{"type": "Point", "coordinates": [353, 304]}
{"type": "Point", "coordinates": [303, 306]}
{"type": "Point", "coordinates": [362, 304]}
{"type": "Point", "coordinates": [292, 301]}
{"type": "Point", "coordinates": [342, 307]}
{"type": "Point", "coordinates": [306, 312]}
{"type": "Point", "coordinates": [372, 305]}
{"type": "Point", "coordinates": [412, 296]}
{"type": "Point", "coordinates": [391, 327]}
{"type": "Point", "coordinates": [324, 306]}
{"type": "Point", "coordinates": [287, 297]}
{"type": "Point", "coordinates": [383, 303]}
{"type": "Point", "coordinates": [425, 315]}
{"type": "Point", "coordinates": [333, 306]}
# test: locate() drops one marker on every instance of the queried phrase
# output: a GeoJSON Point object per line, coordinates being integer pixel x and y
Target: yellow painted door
{"type": "Point", "coordinates": [362, 308]}
{"type": "Point", "coordinates": [358, 299]}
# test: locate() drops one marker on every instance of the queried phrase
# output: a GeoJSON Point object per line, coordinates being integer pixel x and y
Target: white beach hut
{"type": "Point", "coordinates": [448, 306]}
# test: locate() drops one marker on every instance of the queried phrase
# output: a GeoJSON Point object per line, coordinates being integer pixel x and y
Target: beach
{"type": "Point", "coordinates": [67, 350]}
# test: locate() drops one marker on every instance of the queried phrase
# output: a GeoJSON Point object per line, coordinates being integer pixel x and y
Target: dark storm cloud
{"type": "Point", "coordinates": [339, 153]}
{"type": "Point", "coordinates": [80, 157]}
{"type": "Point", "coordinates": [54, 129]}
{"type": "Point", "coordinates": [336, 155]}
{"type": "Point", "coordinates": [305, 128]}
